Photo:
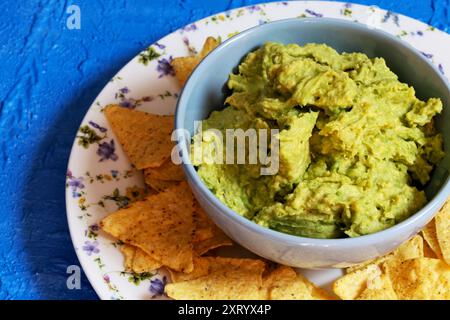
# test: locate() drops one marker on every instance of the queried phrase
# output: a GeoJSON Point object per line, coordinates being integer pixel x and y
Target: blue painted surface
{"type": "Point", "coordinates": [49, 77]}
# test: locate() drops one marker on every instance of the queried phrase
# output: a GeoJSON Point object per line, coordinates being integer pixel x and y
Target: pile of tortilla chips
{"type": "Point", "coordinates": [416, 270]}
{"type": "Point", "coordinates": [169, 229]}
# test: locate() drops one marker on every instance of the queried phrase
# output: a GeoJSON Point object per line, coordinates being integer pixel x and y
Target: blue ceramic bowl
{"type": "Point", "coordinates": [204, 93]}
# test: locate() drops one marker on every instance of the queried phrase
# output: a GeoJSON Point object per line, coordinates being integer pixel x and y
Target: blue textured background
{"type": "Point", "coordinates": [49, 77]}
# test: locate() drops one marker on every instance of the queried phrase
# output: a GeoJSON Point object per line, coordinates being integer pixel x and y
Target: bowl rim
{"type": "Point", "coordinates": [418, 219]}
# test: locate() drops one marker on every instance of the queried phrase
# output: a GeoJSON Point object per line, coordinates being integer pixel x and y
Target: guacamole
{"type": "Point", "coordinates": [356, 146]}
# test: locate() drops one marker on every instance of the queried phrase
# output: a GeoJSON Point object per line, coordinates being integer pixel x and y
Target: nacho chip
{"type": "Point", "coordinates": [219, 239]}
{"type": "Point", "coordinates": [161, 225]}
{"type": "Point", "coordinates": [410, 249]}
{"type": "Point", "coordinates": [167, 171]}
{"type": "Point", "coordinates": [137, 261]}
{"type": "Point", "coordinates": [207, 235]}
{"type": "Point", "coordinates": [284, 283]}
{"type": "Point", "coordinates": [145, 137]}
{"type": "Point", "coordinates": [201, 268]}
{"type": "Point", "coordinates": [379, 288]}
{"type": "Point", "coordinates": [210, 44]}
{"type": "Point", "coordinates": [443, 231]}
{"type": "Point", "coordinates": [428, 252]}
{"type": "Point", "coordinates": [350, 286]}
{"type": "Point", "coordinates": [184, 66]}
{"type": "Point", "coordinates": [354, 283]}
{"type": "Point", "coordinates": [364, 264]}
{"type": "Point", "coordinates": [142, 262]}
{"type": "Point", "coordinates": [430, 235]}
{"type": "Point", "coordinates": [157, 184]}
{"type": "Point", "coordinates": [128, 252]}
{"type": "Point", "coordinates": [205, 227]}
{"type": "Point", "coordinates": [227, 278]}
{"type": "Point", "coordinates": [420, 279]}
{"type": "Point", "coordinates": [413, 248]}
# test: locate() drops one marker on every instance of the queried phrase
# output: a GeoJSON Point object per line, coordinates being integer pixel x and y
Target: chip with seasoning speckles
{"type": "Point", "coordinates": [162, 226]}
{"type": "Point", "coordinates": [420, 279]}
{"type": "Point", "coordinates": [225, 279]}
{"type": "Point", "coordinates": [145, 137]}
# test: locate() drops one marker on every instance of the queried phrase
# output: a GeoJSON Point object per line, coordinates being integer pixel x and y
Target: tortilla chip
{"type": "Point", "coordinates": [219, 239]}
{"type": "Point", "coordinates": [410, 249]}
{"type": "Point", "coordinates": [167, 171]}
{"type": "Point", "coordinates": [380, 288]}
{"type": "Point", "coordinates": [354, 283]}
{"type": "Point", "coordinates": [145, 137]}
{"type": "Point", "coordinates": [350, 286]}
{"type": "Point", "coordinates": [128, 252]}
{"type": "Point", "coordinates": [162, 225]}
{"type": "Point", "coordinates": [428, 252]}
{"type": "Point", "coordinates": [210, 44]}
{"type": "Point", "coordinates": [227, 279]}
{"type": "Point", "coordinates": [207, 235]}
{"type": "Point", "coordinates": [201, 268]}
{"type": "Point", "coordinates": [205, 227]}
{"type": "Point", "coordinates": [420, 279]}
{"type": "Point", "coordinates": [364, 264]}
{"type": "Point", "coordinates": [137, 261]}
{"type": "Point", "coordinates": [184, 66]}
{"type": "Point", "coordinates": [284, 283]}
{"type": "Point", "coordinates": [430, 235]}
{"type": "Point", "coordinates": [443, 231]}
{"type": "Point", "coordinates": [413, 248]}
{"type": "Point", "coordinates": [142, 262]}
{"type": "Point", "coordinates": [157, 184]}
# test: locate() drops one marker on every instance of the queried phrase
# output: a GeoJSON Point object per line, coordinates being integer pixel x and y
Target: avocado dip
{"type": "Point", "coordinates": [356, 147]}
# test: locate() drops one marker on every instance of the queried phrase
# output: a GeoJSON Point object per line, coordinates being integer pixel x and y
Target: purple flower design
{"type": "Point", "coordinates": [348, 5]}
{"type": "Point", "coordinates": [94, 227]}
{"type": "Point", "coordinates": [127, 103]}
{"type": "Point", "coordinates": [97, 126]}
{"type": "Point", "coordinates": [124, 90]}
{"type": "Point", "coordinates": [441, 68]}
{"type": "Point", "coordinates": [160, 46]}
{"type": "Point", "coordinates": [75, 183]}
{"type": "Point", "coordinates": [392, 15]}
{"type": "Point", "coordinates": [252, 9]}
{"type": "Point", "coordinates": [106, 150]}
{"type": "Point", "coordinates": [157, 286]}
{"type": "Point", "coordinates": [91, 247]}
{"type": "Point", "coordinates": [106, 278]}
{"type": "Point", "coordinates": [284, 3]}
{"type": "Point", "coordinates": [420, 33]}
{"type": "Point", "coordinates": [190, 27]}
{"type": "Point", "coordinates": [427, 55]}
{"type": "Point", "coordinates": [165, 68]}
{"type": "Point", "coordinates": [313, 13]}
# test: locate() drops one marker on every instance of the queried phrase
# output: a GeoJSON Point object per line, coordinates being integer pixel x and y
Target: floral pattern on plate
{"type": "Point", "coordinates": [100, 179]}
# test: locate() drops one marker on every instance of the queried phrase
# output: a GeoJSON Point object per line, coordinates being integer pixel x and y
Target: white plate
{"type": "Point", "coordinates": [100, 173]}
